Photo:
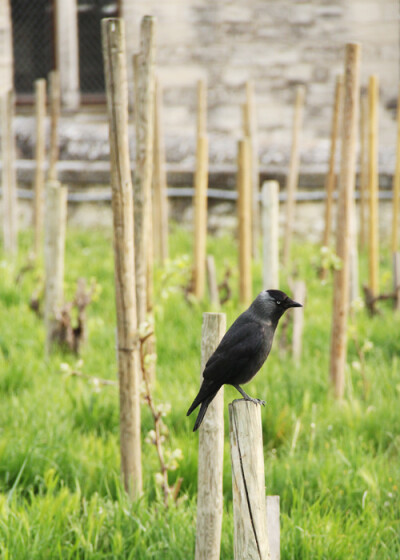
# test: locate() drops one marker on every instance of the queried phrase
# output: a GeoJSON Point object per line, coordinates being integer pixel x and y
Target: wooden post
{"type": "Point", "coordinates": [250, 130]}
{"type": "Point", "coordinates": [144, 109]}
{"type": "Point", "coordinates": [343, 234]}
{"type": "Point", "coordinates": [9, 180]}
{"type": "Point", "coordinates": [144, 116]}
{"type": "Point", "coordinates": [273, 527]}
{"type": "Point", "coordinates": [293, 175]}
{"type": "Point", "coordinates": [40, 149]}
{"type": "Point", "coordinates": [160, 207]}
{"type": "Point", "coordinates": [248, 482]}
{"type": "Point", "coordinates": [212, 282]}
{"type": "Point", "coordinates": [113, 40]}
{"type": "Point", "coordinates": [211, 453]}
{"type": "Point", "coordinates": [55, 100]}
{"type": "Point", "coordinates": [396, 187]}
{"type": "Point", "coordinates": [54, 250]}
{"type": "Point", "coordinates": [200, 193]}
{"type": "Point", "coordinates": [244, 218]}
{"type": "Point", "coordinates": [364, 172]}
{"type": "Point", "coordinates": [396, 279]}
{"type": "Point", "coordinates": [373, 176]}
{"type": "Point", "coordinates": [299, 294]}
{"type": "Point", "coordinates": [270, 228]}
{"type": "Point", "coordinates": [200, 216]}
{"type": "Point", "coordinates": [330, 182]}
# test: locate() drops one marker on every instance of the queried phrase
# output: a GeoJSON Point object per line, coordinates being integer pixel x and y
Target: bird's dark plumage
{"type": "Point", "coordinates": [243, 349]}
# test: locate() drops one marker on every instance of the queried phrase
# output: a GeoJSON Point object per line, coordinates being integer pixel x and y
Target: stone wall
{"type": "Point", "coordinates": [277, 44]}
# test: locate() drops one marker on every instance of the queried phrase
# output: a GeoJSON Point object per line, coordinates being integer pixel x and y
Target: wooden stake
{"type": "Point", "coordinates": [200, 217]}
{"type": "Point", "coordinates": [244, 218]}
{"type": "Point", "coordinates": [40, 153]}
{"type": "Point", "coordinates": [396, 279]}
{"type": "Point", "coordinates": [364, 172]}
{"type": "Point", "coordinates": [9, 180]}
{"type": "Point", "coordinates": [211, 453]}
{"type": "Point", "coordinates": [212, 282]}
{"type": "Point", "coordinates": [373, 249]}
{"type": "Point", "coordinates": [293, 175]}
{"type": "Point", "coordinates": [201, 108]}
{"type": "Point", "coordinates": [250, 130]}
{"type": "Point", "coordinates": [330, 182]}
{"type": "Point", "coordinates": [270, 228]}
{"type": "Point", "coordinates": [248, 482]}
{"type": "Point", "coordinates": [299, 294]}
{"type": "Point", "coordinates": [160, 207]}
{"type": "Point", "coordinates": [343, 233]}
{"type": "Point", "coordinates": [54, 250]}
{"type": "Point", "coordinates": [144, 116]}
{"type": "Point", "coordinates": [396, 187]}
{"type": "Point", "coordinates": [113, 40]}
{"type": "Point", "coordinates": [55, 104]}
{"type": "Point", "coordinates": [273, 527]}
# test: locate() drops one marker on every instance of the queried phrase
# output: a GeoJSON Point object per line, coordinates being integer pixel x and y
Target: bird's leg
{"type": "Point", "coordinates": [247, 397]}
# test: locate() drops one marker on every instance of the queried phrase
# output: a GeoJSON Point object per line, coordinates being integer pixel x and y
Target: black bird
{"type": "Point", "coordinates": [243, 349]}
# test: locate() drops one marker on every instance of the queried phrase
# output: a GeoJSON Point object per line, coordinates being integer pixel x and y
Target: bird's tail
{"type": "Point", "coordinates": [202, 411]}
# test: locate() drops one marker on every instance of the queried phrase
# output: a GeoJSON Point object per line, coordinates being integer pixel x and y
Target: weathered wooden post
{"type": "Point", "coordinates": [55, 108]}
{"type": "Point", "coordinates": [244, 219]}
{"type": "Point", "coordinates": [330, 182]}
{"type": "Point", "coordinates": [373, 184]}
{"type": "Point", "coordinates": [9, 179]}
{"type": "Point", "coordinates": [128, 346]}
{"type": "Point", "coordinates": [343, 233]}
{"type": "Point", "coordinates": [144, 117]}
{"type": "Point", "coordinates": [248, 482]}
{"type": "Point", "coordinates": [212, 282]}
{"type": "Point", "coordinates": [396, 187]}
{"type": "Point", "coordinates": [270, 233]}
{"type": "Point", "coordinates": [54, 250]}
{"type": "Point", "coordinates": [40, 149]}
{"type": "Point", "coordinates": [160, 207]}
{"type": "Point", "coordinates": [211, 453]}
{"type": "Point", "coordinates": [293, 175]}
{"type": "Point", "coordinates": [200, 194]}
{"type": "Point", "coordinates": [299, 294]}
{"type": "Point", "coordinates": [364, 172]}
{"type": "Point", "coordinates": [250, 131]}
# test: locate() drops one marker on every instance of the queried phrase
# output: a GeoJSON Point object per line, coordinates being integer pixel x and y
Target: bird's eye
{"type": "Point", "coordinates": [277, 302]}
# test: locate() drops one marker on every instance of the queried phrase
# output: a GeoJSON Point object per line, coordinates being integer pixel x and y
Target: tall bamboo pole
{"type": "Point", "coordinates": [330, 182]}
{"type": "Point", "coordinates": [343, 231]}
{"type": "Point", "coordinates": [201, 129]}
{"type": "Point", "coordinates": [373, 176]}
{"type": "Point", "coordinates": [113, 40]}
{"type": "Point", "coordinates": [396, 187]}
{"type": "Point", "coordinates": [9, 179]}
{"type": "Point", "coordinates": [55, 109]}
{"type": "Point", "coordinates": [211, 453]}
{"type": "Point", "coordinates": [293, 175]}
{"type": "Point", "coordinates": [244, 218]}
{"type": "Point", "coordinates": [40, 149]}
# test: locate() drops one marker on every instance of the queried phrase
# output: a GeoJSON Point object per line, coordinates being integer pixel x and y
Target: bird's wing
{"type": "Point", "coordinates": [236, 353]}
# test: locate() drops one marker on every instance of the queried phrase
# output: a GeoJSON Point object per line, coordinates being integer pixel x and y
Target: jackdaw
{"type": "Point", "coordinates": [243, 349]}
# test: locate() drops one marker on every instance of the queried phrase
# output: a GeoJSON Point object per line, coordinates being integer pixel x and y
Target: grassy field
{"type": "Point", "coordinates": [336, 466]}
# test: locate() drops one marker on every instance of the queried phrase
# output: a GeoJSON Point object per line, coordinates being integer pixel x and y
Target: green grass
{"type": "Point", "coordinates": [336, 466]}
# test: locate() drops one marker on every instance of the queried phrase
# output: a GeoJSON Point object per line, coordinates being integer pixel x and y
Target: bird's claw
{"type": "Point", "coordinates": [256, 401]}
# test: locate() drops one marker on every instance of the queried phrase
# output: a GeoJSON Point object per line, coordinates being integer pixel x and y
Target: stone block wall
{"type": "Point", "coordinates": [277, 44]}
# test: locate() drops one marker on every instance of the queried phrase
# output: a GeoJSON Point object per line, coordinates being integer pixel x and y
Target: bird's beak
{"type": "Point", "coordinates": [291, 303]}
